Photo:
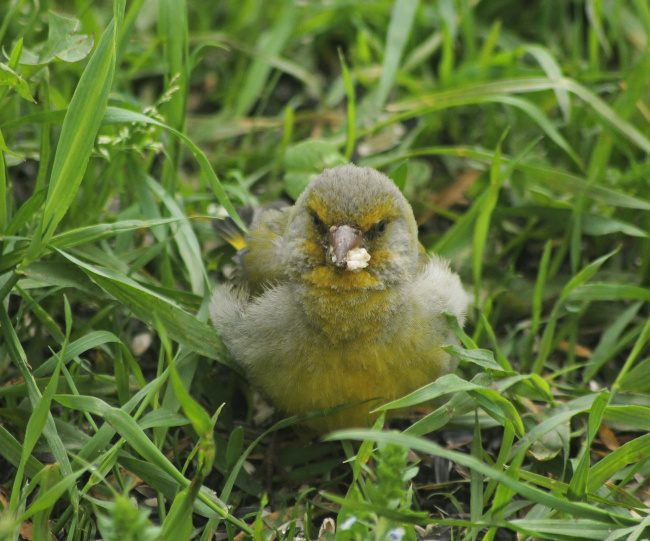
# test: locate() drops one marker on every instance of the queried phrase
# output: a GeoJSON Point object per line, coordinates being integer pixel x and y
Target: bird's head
{"type": "Point", "coordinates": [352, 228]}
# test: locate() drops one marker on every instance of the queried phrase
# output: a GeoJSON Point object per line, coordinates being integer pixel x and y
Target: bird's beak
{"type": "Point", "coordinates": [346, 249]}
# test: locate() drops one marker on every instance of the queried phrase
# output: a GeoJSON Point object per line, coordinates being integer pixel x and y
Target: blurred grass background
{"type": "Point", "coordinates": [518, 131]}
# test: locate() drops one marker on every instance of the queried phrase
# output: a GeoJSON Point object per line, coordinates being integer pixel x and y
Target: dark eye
{"type": "Point", "coordinates": [377, 229]}
{"type": "Point", "coordinates": [317, 222]}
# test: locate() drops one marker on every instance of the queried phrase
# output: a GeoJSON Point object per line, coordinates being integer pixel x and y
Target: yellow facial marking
{"type": "Point", "coordinates": [316, 204]}
{"type": "Point", "coordinates": [384, 209]}
{"type": "Point", "coordinates": [328, 278]}
{"type": "Point", "coordinates": [312, 249]}
{"type": "Point", "coordinates": [379, 257]}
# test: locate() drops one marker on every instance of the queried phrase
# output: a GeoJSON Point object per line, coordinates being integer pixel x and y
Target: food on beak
{"type": "Point", "coordinates": [346, 249]}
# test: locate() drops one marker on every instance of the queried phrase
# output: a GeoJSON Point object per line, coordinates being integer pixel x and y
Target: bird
{"type": "Point", "coordinates": [339, 302]}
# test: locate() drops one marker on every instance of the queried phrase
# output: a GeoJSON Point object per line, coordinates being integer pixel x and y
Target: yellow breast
{"type": "Point", "coordinates": [360, 350]}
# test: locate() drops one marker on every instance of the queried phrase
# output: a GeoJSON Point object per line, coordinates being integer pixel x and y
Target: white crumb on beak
{"type": "Point", "coordinates": [357, 259]}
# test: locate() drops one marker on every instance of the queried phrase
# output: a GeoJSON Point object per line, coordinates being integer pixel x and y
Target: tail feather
{"type": "Point", "coordinates": [228, 230]}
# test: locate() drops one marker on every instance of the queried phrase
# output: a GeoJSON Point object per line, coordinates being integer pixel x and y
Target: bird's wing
{"type": "Point", "coordinates": [262, 262]}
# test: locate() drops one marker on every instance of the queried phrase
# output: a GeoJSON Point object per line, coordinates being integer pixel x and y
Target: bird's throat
{"type": "Point", "coordinates": [347, 305]}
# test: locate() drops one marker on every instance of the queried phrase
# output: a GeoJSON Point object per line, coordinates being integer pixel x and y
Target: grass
{"type": "Point", "coordinates": [521, 137]}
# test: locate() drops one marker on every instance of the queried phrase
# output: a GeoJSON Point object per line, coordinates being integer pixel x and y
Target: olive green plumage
{"type": "Point", "coordinates": [341, 303]}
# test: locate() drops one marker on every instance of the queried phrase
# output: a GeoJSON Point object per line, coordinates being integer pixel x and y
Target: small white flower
{"type": "Point", "coordinates": [396, 534]}
{"type": "Point", "coordinates": [348, 522]}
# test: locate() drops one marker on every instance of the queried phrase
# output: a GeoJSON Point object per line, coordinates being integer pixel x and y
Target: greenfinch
{"type": "Point", "coordinates": [340, 303]}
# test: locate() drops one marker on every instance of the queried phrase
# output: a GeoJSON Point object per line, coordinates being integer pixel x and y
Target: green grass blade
{"type": "Point", "coordinates": [115, 115]}
{"type": "Point", "coordinates": [537, 301]}
{"type": "Point", "coordinates": [399, 28]}
{"type": "Point", "coordinates": [628, 453]}
{"type": "Point", "coordinates": [147, 306]}
{"type": "Point", "coordinates": [476, 479]}
{"type": "Point", "coordinates": [270, 43]}
{"type": "Point", "coordinates": [477, 93]}
{"type": "Point", "coordinates": [172, 24]}
{"type": "Point", "coordinates": [553, 70]}
{"type": "Point", "coordinates": [33, 432]}
{"type": "Point", "coordinates": [578, 486]}
{"type": "Point", "coordinates": [637, 417]}
{"type": "Point", "coordinates": [577, 510]}
{"type": "Point", "coordinates": [641, 342]}
{"type": "Point", "coordinates": [74, 349]}
{"type": "Point", "coordinates": [609, 339]}
{"type": "Point", "coordinates": [575, 283]}
{"type": "Point", "coordinates": [483, 221]}
{"type": "Point", "coordinates": [47, 499]}
{"type": "Point", "coordinates": [82, 121]}
{"type": "Point", "coordinates": [18, 356]}
{"type": "Point", "coordinates": [186, 241]}
{"type": "Point", "coordinates": [11, 450]}
{"type": "Point", "coordinates": [351, 107]}
{"type": "Point", "coordinates": [3, 186]}
{"type": "Point", "coordinates": [609, 292]}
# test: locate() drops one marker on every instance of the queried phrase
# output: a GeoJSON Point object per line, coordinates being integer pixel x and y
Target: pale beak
{"type": "Point", "coordinates": [346, 249]}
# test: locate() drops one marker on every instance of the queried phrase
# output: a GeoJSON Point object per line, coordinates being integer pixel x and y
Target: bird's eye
{"type": "Point", "coordinates": [317, 221]}
{"type": "Point", "coordinates": [377, 229]}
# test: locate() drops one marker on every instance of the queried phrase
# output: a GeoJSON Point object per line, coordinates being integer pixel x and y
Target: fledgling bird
{"type": "Point", "coordinates": [340, 303]}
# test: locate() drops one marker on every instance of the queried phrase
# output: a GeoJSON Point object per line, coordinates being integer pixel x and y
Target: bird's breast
{"type": "Point", "coordinates": [348, 305]}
